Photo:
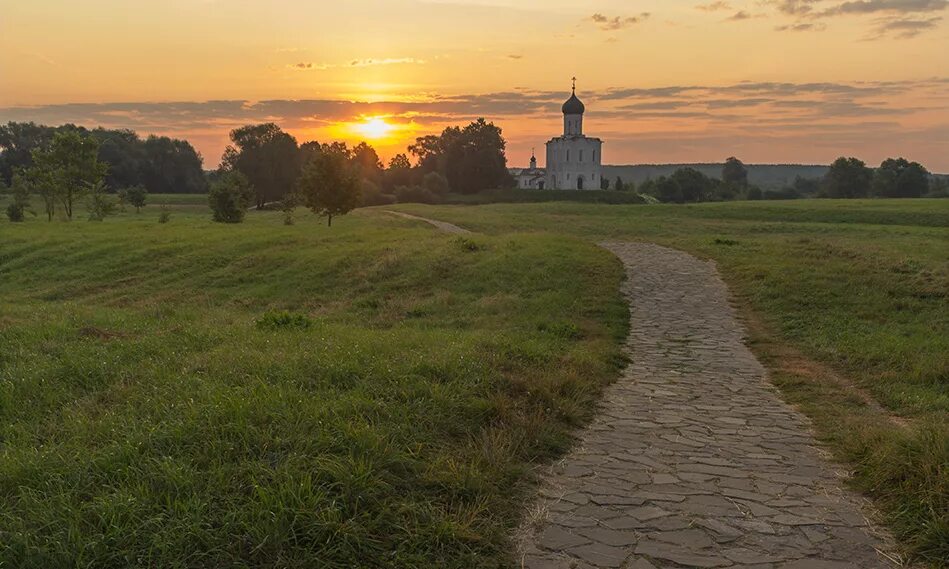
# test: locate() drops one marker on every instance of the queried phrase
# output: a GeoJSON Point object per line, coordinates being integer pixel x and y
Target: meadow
{"type": "Point", "coordinates": [192, 394]}
{"type": "Point", "coordinates": [377, 394]}
{"type": "Point", "coordinates": [847, 304]}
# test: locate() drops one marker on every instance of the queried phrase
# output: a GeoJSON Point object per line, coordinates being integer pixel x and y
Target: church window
{"type": "Point", "coordinates": [568, 156]}
{"type": "Point", "coordinates": [594, 155]}
{"type": "Point", "coordinates": [581, 156]}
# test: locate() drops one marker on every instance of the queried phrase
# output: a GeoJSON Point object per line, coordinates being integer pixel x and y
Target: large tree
{"type": "Point", "coordinates": [734, 173]}
{"type": "Point", "coordinates": [900, 178]}
{"type": "Point", "coordinates": [847, 178]}
{"type": "Point", "coordinates": [329, 185]}
{"type": "Point", "coordinates": [172, 166]}
{"type": "Point", "coordinates": [471, 158]}
{"type": "Point", "coordinates": [399, 173]}
{"type": "Point", "coordinates": [124, 152]}
{"type": "Point", "coordinates": [267, 156]}
{"type": "Point", "coordinates": [17, 143]}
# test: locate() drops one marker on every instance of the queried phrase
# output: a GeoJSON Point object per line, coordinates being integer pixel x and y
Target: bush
{"type": "Point", "coordinates": [230, 197]}
{"type": "Point", "coordinates": [372, 195]}
{"type": "Point", "coordinates": [134, 196]}
{"type": "Point", "coordinates": [100, 204]}
{"type": "Point", "coordinates": [165, 215]}
{"type": "Point", "coordinates": [436, 184]}
{"type": "Point", "coordinates": [284, 320]}
{"type": "Point", "coordinates": [16, 212]}
{"type": "Point", "coordinates": [415, 194]}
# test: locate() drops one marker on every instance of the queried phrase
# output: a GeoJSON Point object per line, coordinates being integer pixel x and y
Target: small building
{"type": "Point", "coordinates": [532, 178]}
{"type": "Point", "coordinates": [574, 159]}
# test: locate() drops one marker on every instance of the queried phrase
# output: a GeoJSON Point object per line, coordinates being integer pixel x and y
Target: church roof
{"type": "Point", "coordinates": [574, 106]}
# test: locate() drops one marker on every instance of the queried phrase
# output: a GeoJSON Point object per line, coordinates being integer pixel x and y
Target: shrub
{"type": "Point", "coordinates": [279, 320]}
{"type": "Point", "coordinates": [372, 195]}
{"type": "Point", "coordinates": [164, 216]}
{"type": "Point", "coordinates": [100, 204]}
{"type": "Point", "coordinates": [16, 212]}
{"type": "Point", "coordinates": [415, 194]}
{"type": "Point", "coordinates": [230, 197]}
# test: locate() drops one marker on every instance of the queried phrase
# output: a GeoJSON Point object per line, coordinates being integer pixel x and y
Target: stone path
{"type": "Point", "coordinates": [443, 225]}
{"type": "Point", "coordinates": [694, 460]}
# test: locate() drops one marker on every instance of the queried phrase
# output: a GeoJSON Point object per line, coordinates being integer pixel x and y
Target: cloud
{"type": "Point", "coordinates": [904, 28]}
{"type": "Point", "coordinates": [714, 6]}
{"type": "Point", "coordinates": [900, 19]}
{"type": "Point", "coordinates": [609, 24]}
{"type": "Point", "coordinates": [739, 16]}
{"type": "Point", "coordinates": [389, 61]}
{"type": "Point", "coordinates": [757, 112]}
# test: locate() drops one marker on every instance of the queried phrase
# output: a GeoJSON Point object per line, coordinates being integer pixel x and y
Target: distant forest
{"type": "Point", "coordinates": [765, 176]}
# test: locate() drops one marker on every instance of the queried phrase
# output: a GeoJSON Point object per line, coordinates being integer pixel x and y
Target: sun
{"type": "Point", "coordinates": [374, 128]}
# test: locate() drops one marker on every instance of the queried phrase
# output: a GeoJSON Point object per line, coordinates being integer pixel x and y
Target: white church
{"type": "Point", "coordinates": [573, 159]}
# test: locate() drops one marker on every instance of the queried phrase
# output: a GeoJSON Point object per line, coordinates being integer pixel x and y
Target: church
{"type": "Point", "coordinates": [573, 159]}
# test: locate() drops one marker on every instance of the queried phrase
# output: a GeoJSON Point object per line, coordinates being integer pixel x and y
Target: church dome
{"type": "Point", "coordinates": [574, 106]}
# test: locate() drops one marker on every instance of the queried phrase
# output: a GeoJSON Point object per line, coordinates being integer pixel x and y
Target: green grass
{"type": "Point", "coordinates": [198, 395]}
{"type": "Point", "coordinates": [201, 395]}
{"type": "Point", "coordinates": [848, 305]}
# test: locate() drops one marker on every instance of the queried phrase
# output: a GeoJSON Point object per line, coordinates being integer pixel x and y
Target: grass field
{"type": "Point", "coordinates": [200, 395]}
{"type": "Point", "coordinates": [847, 303]}
{"type": "Point", "coordinates": [157, 411]}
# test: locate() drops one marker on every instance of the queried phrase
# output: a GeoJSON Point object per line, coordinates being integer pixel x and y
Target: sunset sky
{"type": "Point", "coordinates": [664, 80]}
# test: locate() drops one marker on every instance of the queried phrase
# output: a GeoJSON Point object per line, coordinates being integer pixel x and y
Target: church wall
{"type": "Point", "coordinates": [564, 165]}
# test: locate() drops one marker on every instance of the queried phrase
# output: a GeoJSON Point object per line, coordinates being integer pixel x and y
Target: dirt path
{"type": "Point", "coordinates": [443, 225]}
{"type": "Point", "coordinates": [694, 460]}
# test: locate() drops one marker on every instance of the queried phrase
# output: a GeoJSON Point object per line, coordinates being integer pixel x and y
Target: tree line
{"type": "Point", "coordinates": [846, 178]}
{"type": "Point", "coordinates": [158, 163]}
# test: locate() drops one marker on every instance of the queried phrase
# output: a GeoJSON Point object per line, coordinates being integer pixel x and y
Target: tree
{"type": "Point", "coordinates": [900, 178]}
{"type": "Point", "coordinates": [124, 152]}
{"type": "Point", "coordinates": [69, 167]}
{"type": "Point", "coordinates": [329, 186]}
{"type": "Point", "coordinates": [399, 173]}
{"type": "Point", "coordinates": [172, 166]}
{"type": "Point", "coordinates": [693, 185]}
{"type": "Point", "coordinates": [230, 197]}
{"type": "Point", "coordinates": [135, 196]}
{"type": "Point", "coordinates": [17, 143]}
{"type": "Point", "coordinates": [99, 204]}
{"type": "Point", "coordinates": [367, 163]}
{"type": "Point", "coordinates": [472, 158]}
{"type": "Point", "coordinates": [267, 156]}
{"type": "Point", "coordinates": [20, 204]}
{"type": "Point", "coordinates": [734, 173]}
{"type": "Point", "coordinates": [619, 187]}
{"type": "Point", "coordinates": [436, 184]}
{"type": "Point", "coordinates": [604, 183]}
{"type": "Point", "coordinates": [664, 189]}
{"type": "Point", "coordinates": [847, 178]}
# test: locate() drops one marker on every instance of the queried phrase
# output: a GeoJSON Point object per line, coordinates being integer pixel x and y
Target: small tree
{"type": "Point", "coordinates": [135, 196]}
{"type": "Point", "coordinates": [230, 197]}
{"type": "Point", "coordinates": [99, 204]}
{"type": "Point", "coordinates": [329, 186]}
{"type": "Point", "coordinates": [604, 183]}
{"type": "Point", "coordinates": [20, 190]}
{"type": "Point", "coordinates": [164, 216]}
{"type": "Point", "coordinates": [619, 186]}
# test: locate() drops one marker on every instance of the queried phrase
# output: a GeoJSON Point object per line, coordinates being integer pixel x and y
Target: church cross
{"type": "Point", "coordinates": [574, 84]}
